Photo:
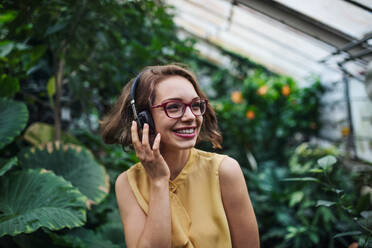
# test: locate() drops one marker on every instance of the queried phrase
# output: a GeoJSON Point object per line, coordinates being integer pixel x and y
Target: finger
{"type": "Point", "coordinates": [145, 135]}
{"type": "Point", "coordinates": [156, 145]}
{"type": "Point", "coordinates": [134, 134]}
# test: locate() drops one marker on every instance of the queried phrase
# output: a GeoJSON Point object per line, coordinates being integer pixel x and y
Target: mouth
{"type": "Point", "coordinates": [187, 132]}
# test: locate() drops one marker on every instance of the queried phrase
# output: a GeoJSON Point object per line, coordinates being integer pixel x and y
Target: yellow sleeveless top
{"type": "Point", "coordinates": [197, 213]}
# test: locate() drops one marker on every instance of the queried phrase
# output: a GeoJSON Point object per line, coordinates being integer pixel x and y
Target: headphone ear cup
{"type": "Point", "coordinates": [146, 117]}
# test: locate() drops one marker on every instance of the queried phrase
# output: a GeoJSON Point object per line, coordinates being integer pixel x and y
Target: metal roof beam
{"type": "Point", "coordinates": [306, 25]}
{"type": "Point", "coordinates": [360, 5]}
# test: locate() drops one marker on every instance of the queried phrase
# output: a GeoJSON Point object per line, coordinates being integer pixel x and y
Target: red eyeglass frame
{"type": "Point", "coordinates": [184, 109]}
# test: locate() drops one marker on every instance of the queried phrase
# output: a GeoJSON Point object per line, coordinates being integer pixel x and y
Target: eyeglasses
{"type": "Point", "coordinates": [175, 109]}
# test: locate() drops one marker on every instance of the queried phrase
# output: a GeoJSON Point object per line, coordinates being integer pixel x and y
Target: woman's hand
{"type": "Point", "coordinates": [151, 159]}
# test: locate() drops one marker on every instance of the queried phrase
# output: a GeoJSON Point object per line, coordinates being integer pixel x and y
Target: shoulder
{"type": "Point", "coordinates": [210, 156]}
{"type": "Point", "coordinates": [121, 183]}
{"type": "Point", "coordinates": [230, 170]}
{"type": "Point", "coordinates": [232, 182]}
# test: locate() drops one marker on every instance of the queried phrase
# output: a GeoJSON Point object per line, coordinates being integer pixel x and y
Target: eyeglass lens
{"type": "Point", "coordinates": [176, 109]}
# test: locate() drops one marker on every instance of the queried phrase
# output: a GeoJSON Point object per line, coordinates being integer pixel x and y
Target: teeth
{"type": "Point", "coordinates": [186, 131]}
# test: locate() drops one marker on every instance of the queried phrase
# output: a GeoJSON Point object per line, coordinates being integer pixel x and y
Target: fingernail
{"type": "Point", "coordinates": [133, 122]}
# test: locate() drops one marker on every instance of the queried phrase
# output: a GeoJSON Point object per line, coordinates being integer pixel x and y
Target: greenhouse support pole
{"type": "Point", "coordinates": [350, 146]}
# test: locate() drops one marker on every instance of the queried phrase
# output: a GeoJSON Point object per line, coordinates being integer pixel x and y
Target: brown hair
{"type": "Point", "coordinates": [115, 126]}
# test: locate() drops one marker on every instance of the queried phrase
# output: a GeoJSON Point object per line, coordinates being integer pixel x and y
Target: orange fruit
{"type": "Point", "coordinates": [286, 90]}
{"type": "Point", "coordinates": [262, 90]}
{"type": "Point", "coordinates": [237, 97]}
{"type": "Point", "coordinates": [250, 114]}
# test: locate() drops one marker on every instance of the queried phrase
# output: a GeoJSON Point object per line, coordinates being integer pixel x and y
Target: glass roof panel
{"type": "Point", "coordinates": [249, 33]}
{"type": "Point", "coordinates": [276, 34]}
{"type": "Point", "coordinates": [340, 15]}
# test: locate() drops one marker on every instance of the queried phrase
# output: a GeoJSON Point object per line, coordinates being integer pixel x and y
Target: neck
{"type": "Point", "coordinates": [176, 160]}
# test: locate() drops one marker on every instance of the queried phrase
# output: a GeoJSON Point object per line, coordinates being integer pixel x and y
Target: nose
{"type": "Point", "coordinates": [188, 115]}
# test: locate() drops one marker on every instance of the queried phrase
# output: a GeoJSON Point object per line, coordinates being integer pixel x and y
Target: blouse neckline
{"type": "Point", "coordinates": [183, 173]}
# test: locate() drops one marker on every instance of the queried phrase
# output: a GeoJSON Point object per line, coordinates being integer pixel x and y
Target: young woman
{"type": "Point", "coordinates": [177, 196]}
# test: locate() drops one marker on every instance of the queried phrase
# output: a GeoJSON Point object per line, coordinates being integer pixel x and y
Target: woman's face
{"type": "Point", "coordinates": [173, 134]}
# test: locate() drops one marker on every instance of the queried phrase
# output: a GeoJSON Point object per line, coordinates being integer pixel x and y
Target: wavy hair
{"type": "Point", "coordinates": [115, 126]}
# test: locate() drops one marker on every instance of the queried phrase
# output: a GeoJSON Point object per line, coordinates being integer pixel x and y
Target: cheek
{"type": "Point", "coordinates": [162, 122]}
{"type": "Point", "coordinates": [200, 121]}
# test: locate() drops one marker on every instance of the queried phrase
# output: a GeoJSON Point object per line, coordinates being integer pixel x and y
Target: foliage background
{"type": "Point", "coordinates": [63, 63]}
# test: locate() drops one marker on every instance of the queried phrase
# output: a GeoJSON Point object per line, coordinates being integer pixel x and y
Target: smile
{"type": "Point", "coordinates": [185, 133]}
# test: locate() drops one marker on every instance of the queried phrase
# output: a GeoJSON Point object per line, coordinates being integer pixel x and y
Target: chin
{"type": "Point", "coordinates": [188, 146]}
{"type": "Point", "coordinates": [181, 145]}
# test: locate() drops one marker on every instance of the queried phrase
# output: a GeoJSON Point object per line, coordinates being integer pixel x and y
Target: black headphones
{"type": "Point", "coordinates": [143, 116]}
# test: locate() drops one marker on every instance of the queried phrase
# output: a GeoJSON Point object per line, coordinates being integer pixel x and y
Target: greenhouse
{"type": "Point", "coordinates": [258, 134]}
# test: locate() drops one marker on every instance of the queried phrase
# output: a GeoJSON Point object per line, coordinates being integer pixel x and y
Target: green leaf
{"type": "Point", "coordinates": [7, 165]}
{"type": "Point", "coordinates": [327, 162]}
{"type": "Point", "coordinates": [6, 47]}
{"type": "Point", "coordinates": [51, 87]}
{"type": "Point", "coordinates": [40, 133]}
{"type": "Point", "coordinates": [314, 237]}
{"type": "Point", "coordinates": [8, 16]}
{"type": "Point", "coordinates": [37, 52]}
{"type": "Point", "coordinates": [363, 203]}
{"type": "Point", "coordinates": [55, 28]}
{"type": "Point", "coordinates": [9, 86]}
{"type": "Point", "coordinates": [112, 231]}
{"type": "Point", "coordinates": [327, 214]}
{"type": "Point", "coordinates": [30, 199]}
{"type": "Point", "coordinates": [316, 170]}
{"type": "Point", "coordinates": [301, 179]}
{"type": "Point", "coordinates": [39, 239]}
{"type": "Point", "coordinates": [366, 214]}
{"type": "Point", "coordinates": [295, 198]}
{"type": "Point", "coordinates": [83, 238]}
{"type": "Point", "coordinates": [352, 233]}
{"type": "Point", "coordinates": [324, 203]}
{"type": "Point", "coordinates": [14, 116]}
{"type": "Point", "coordinates": [75, 163]}
{"type": "Point", "coordinates": [366, 222]}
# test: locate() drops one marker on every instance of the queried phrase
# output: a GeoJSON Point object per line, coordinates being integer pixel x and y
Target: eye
{"type": "Point", "coordinates": [196, 105]}
{"type": "Point", "coordinates": [174, 106]}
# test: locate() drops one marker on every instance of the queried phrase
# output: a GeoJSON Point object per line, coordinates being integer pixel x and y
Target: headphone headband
{"type": "Point", "coordinates": [134, 86]}
{"type": "Point", "coordinates": [133, 94]}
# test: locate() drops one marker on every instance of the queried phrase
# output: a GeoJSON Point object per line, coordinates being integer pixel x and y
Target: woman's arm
{"type": "Point", "coordinates": [153, 230]}
{"type": "Point", "coordinates": [237, 205]}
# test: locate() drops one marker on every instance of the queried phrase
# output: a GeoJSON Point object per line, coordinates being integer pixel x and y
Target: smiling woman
{"type": "Point", "coordinates": [177, 195]}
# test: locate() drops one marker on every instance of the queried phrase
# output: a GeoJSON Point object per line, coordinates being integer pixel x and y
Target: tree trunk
{"type": "Point", "coordinates": [57, 105]}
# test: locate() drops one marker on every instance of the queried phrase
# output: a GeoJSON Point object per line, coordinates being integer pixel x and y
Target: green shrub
{"type": "Point", "coordinates": [313, 202]}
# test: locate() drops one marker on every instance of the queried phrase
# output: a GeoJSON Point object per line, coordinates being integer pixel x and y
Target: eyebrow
{"type": "Point", "coordinates": [178, 99]}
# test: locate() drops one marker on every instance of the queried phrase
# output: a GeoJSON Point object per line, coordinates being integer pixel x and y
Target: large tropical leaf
{"type": "Point", "coordinates": [30, 199]}
{"type": "Point", "coordinates": [37, 239]}
{"type": "Point", "coordinates": [83, 238]}
{"type": "Point", "coordinates": [40, 133]}
{"type": "Point", "coordinates": [75, 163]}
{"type": "Point", "coordinates": [13, 119]}
{"type": "Point", "coordinates": [7, 164]}
{"type": "Point", "coordinates": [9, 86]}
{"type": "Point", "coordinates": [113, 229]}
